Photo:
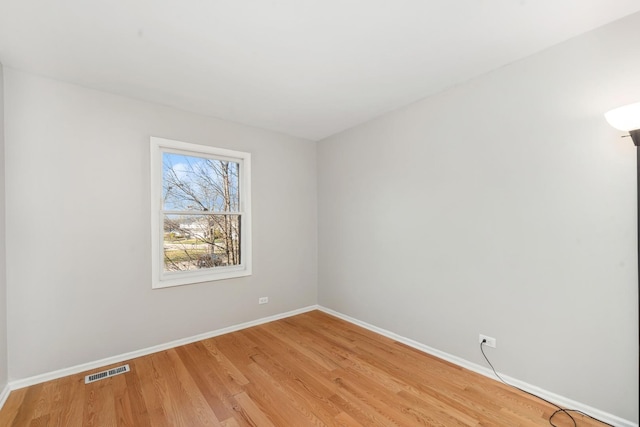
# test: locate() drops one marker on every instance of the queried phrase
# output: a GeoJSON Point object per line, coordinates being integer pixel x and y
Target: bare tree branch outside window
{"type": "Point", "coordinates": [201, 203]}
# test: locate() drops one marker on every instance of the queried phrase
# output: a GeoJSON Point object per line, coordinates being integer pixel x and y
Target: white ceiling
{"type": "Point", "coordinates": [309, 68]}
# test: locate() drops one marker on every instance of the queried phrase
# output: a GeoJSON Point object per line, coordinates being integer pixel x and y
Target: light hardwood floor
{"type": "Point", "coordinates": [309, 370]}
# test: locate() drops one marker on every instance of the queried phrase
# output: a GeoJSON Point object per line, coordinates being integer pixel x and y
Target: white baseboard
{"type": "Point", "coordinates": [4, 394]}
{"type": "Point", "coordinates": [552, 397]}
{"type": "Point", "coordinates": [37, 379]}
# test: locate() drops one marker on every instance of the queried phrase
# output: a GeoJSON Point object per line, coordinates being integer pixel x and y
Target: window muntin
{"type": "Point", "coordinates": [201, 225]}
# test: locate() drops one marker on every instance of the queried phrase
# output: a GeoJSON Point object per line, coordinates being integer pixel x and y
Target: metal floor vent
{"type": "Point", "coordinates": [106, 374]}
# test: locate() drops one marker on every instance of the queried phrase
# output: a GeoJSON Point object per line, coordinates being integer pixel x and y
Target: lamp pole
{"type": "Point", "coordinates": [635, 137]}
{"type": "Point", "coordinates": [627, 118]}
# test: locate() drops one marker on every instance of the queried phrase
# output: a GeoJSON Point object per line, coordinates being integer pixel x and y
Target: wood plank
{"type": "Point", "coordinates": [183, 385]}
{"type": "Point", "coordinates": [138, 405]}
{"type": "Point", "coordinates": [311, 369]}
{"type": "Point", "coordinates": [203, 370]}
{"type": "Point", "coordinates": [98, 405]}
{"type": "Point", "coordinates": [144, 369]}
{"type": "Point", "coordinates": [27, 409]}
{"type": "Point", "coordinates": [12, 406]}
{"type": "Point", "coordinates": [255, 415]}
{"type": "Point", "coordinates": [67, 412]}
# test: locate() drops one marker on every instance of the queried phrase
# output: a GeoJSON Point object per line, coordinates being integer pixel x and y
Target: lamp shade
{"type": "Point", "coordinates": [626, 118]}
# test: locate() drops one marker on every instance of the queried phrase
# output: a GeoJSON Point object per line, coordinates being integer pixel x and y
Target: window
{"type": "Point", "coordinates": [201, 224]}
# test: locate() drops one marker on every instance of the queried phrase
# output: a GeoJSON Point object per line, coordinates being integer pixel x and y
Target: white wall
{"type": "Point", "coordinates": [505, 206]}
{"type": "Point", "coordinates": [78, 233]}
{"type": "Point", "coordinates": [3, 276]}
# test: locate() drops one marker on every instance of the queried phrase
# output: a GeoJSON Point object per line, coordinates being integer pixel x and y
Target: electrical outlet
{"type": "Point", "coordinates": [490, 342]}
{"type": "Point", "coordinates": [263, 300]}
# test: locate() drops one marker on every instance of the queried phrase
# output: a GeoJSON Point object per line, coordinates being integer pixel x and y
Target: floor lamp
{"type": "Point", "coordinates": [627, 118]}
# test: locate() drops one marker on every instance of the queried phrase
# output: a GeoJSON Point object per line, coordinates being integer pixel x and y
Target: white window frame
{"type": "Point", "coordinates": [162, 279]}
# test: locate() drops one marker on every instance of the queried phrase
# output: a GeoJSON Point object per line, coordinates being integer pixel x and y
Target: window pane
{"type": "Point", "coordinates": [199, 184]}
{"type": "Point", "coordinates": [193, 242]}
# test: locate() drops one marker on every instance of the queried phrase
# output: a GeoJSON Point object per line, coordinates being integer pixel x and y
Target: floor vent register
{"type": "Point", "coordinates": [106, 374]}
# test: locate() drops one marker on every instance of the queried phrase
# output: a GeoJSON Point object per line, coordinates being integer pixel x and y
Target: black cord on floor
{"type": "Point", "coordinates": [558, 411]}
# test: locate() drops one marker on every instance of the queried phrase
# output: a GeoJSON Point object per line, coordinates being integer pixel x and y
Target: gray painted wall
{"type": "Point", "coordinates": [3, 270]}
{"type": "Point", "coordinates": [78, 233]}
{"type": "Point", "coordinates": [504, 206]}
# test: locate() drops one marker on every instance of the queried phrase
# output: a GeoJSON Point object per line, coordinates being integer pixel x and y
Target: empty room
{"type": "Point", "coordinates": [323, 213]}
